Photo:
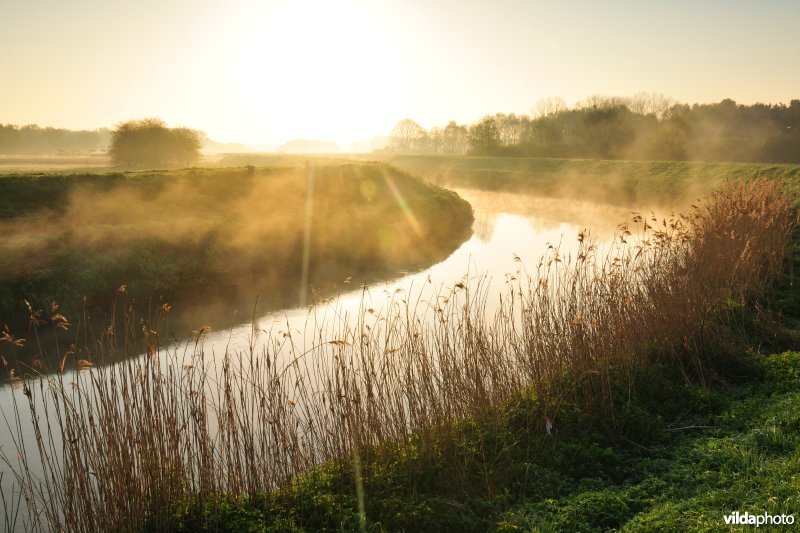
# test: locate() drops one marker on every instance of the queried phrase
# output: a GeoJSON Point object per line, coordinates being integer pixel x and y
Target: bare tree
{"type": "Point", "coordinates": [600, 101]}
{"type": "Point", "coordinates": [549, 106]}
{"type": "Point", "coordinates": [406, 135]}
{"type": "Point", "coordinates": [454, 138]}
{"type": "Point", "coordinates": [510, 128]}
{"type": "Point", "coordinates": [484, 137]}
{"type": "Point", "coordinates": [654, 104]}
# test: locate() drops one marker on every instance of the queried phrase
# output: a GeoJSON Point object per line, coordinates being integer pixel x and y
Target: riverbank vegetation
{"type": "Point", "coordinates": [193, 234]}
{"type": "Point", "coordinates": [595, 369]}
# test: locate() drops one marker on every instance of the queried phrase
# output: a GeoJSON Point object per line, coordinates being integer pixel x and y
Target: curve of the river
{"type": "Point", "coordinates": [509, 232]}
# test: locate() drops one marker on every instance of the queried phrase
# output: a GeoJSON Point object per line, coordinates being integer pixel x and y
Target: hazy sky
{"type": "Point", "coordinates": [269, 71]}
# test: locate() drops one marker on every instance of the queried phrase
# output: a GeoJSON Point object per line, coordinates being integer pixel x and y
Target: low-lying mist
{"type": "Point", "coordinates": [635, 185]}
{"type": "Point", "coordinates": [544, 212]}
{"type": "Point", "coordinates": [232, 233]}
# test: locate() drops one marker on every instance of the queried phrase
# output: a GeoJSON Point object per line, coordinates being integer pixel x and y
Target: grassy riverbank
{"type": "Point", "coordinates": [668, 184]}
{"type": "Point", "coordinates": [671, 455]}
{"type": "Point", "coordinates": [193, 235]}
{"type": "Point", "coordinates": [648, 362]}
{"type": "Point", "coordinates": [680, 458]}
{"type": "Point", "coordinates": [684, 458]}
{"type": "Point", "coordinates": [633, 183]}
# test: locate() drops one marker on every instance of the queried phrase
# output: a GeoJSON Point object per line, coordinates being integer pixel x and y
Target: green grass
{"type": "Point", "coordinates": [740, 451]}
{"type": "Point", "coordinates": [631, 183]}
{"type": "Point", "coordinates": [501, 473]}
{"type": "Point", "coordinates": [742, 455]}
{"type": "Point", "coordinates": [63, 163]}
{"type": "Point", "coordinates": [637, 184]}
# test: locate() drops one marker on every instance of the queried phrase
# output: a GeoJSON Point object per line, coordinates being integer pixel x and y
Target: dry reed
{"type": "Point", "coordinates": [118, 446]}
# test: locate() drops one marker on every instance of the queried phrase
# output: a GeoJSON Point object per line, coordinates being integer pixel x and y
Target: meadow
{"type": "Point", "coordinates": [10, 164]}
{"type": "Point", "coordinates": [670, 184]}
{"type": "Point", "coordinates": [623, 389]}
{"type": "Point", "coordinates": [673, 184]}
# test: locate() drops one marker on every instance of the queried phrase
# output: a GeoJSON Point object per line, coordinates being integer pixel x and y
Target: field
{"type": "Point", "coordinates": [72, 163]}
{"type": "Point", "coordinates": [654, 388]}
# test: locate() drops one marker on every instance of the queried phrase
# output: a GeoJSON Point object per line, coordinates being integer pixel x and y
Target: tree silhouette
{"type": "Point", "coordinates": [150, 143]}
{"type": "Point", "coordinates": [644, 126]}
{"type": "Point", "coordinates": [406, 135]}
{"type": "Point", "coordinates": [35, 140]}
{"type": "Point", "coordinates": [484, 137]}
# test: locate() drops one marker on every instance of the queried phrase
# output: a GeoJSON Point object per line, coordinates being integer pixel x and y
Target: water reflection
{"type": "Point", "coordinates": [511, 231]}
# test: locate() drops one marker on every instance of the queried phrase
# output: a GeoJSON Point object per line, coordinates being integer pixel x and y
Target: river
{"type": "Point", "coordinates": [510, 232]}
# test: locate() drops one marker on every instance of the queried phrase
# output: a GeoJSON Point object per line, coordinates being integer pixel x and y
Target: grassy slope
{"type": "Point", "coordinates": [614, 182]}
{"type": "Point", "coordinates": [176, 233]}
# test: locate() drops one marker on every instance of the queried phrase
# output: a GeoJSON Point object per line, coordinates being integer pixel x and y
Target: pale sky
{"type": "Point", "coordinates": [270, 71]}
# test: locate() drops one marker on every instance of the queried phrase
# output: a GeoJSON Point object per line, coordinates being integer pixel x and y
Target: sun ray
{"type": "Point", "coordinates": [401, 202]}
{"type": "Point", "coordinates": [307, 233]}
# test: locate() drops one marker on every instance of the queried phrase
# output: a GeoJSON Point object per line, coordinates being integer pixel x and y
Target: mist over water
{"type": "Point", "coordinates": [511, 232]}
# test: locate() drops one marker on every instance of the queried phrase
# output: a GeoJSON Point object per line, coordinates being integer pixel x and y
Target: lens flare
{"type": "Point", "coordinates": [307, 232]}
{"type": "Point", "coordinates": [401, 201]}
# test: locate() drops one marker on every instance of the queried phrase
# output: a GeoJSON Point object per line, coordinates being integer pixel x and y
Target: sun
{"type": "Point", "coordinates": [320, 69]}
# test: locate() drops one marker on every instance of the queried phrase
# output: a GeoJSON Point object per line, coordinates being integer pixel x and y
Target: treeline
{"type": "Point", "coordinates": [645, 126]}
{"type": "Point", "coordinates": [35, 140]}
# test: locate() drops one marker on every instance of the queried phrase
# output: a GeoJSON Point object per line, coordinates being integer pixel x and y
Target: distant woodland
{"type": "Point", "coordinates": [35, 140]}
{"type": "Point", "coordinates": [643, 127]}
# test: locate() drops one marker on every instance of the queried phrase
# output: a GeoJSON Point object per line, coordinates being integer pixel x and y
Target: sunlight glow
{"type": "Point", "coordinates": [307, 234]}
{"type": "Point", "coordinates": [269, 71]}
{"type": "Point", "coordinates": [322, 68]}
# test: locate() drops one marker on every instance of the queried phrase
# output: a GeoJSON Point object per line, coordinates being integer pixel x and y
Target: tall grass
{"type": "Point", "coordinates": [120, 446]}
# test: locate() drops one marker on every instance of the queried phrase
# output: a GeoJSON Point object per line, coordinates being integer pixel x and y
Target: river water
{"type": "Point", "coordinates": [511, 231]}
